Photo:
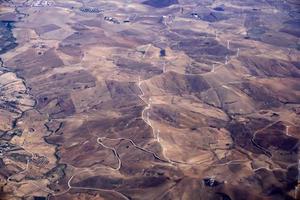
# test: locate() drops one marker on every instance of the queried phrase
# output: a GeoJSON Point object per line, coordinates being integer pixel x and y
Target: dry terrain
{"type": "Point", "coordinates": [149, 99]}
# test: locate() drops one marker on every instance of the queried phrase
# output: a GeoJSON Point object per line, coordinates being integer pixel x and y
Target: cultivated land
{"type": "Point", "coordinates": [149, 100]}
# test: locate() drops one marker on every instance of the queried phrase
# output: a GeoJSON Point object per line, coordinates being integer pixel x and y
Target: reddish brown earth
{"type": "Point", "coordinates": [149, 100]}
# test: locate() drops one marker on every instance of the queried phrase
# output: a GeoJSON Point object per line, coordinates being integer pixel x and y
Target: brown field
{"type": "Point", "coordinates": [149, 100]}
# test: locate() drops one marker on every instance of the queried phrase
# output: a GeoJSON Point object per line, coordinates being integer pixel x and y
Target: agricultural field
{"type": "Point", "coordinates": [149, 99]}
